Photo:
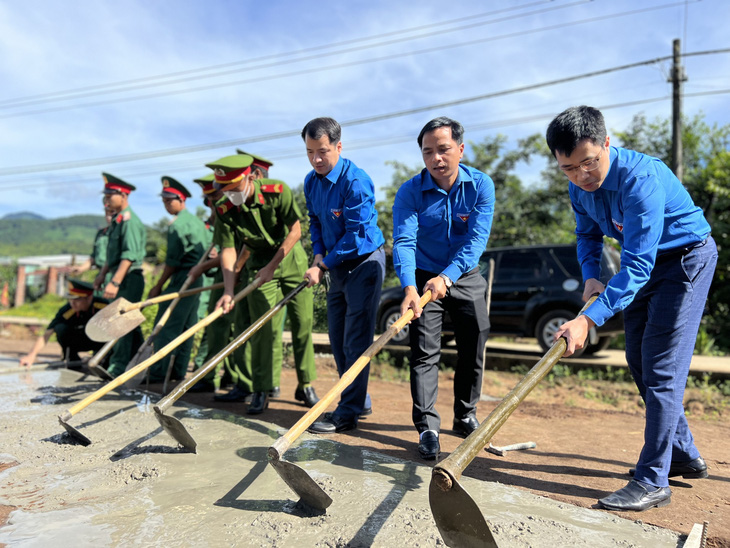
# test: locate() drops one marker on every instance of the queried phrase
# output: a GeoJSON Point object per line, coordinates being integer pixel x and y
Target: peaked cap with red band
{"type": "Point", "coordinates": [230, 170]}
{"type": "Point", "coordinates": [114, 185]}
{"type": "Point", "coordinates": [77, 289]}
{"type": "Point", "coordinates": [173, 189]}
{"type": "Point", "coordinates": [257, 160]}
{"type": "Point", "coordinates": [206, 183]}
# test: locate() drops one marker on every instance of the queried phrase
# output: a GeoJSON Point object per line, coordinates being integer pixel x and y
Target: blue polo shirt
{"type": "Point", "coordinates": [343, 222]}
{"type": "Point", "coordinates": [644, 206]}
{"type": "Point", "coordinates": [441, 232]}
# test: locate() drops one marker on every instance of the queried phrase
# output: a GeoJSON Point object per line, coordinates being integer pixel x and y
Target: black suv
{"type": "Point", "coordinates": [535, 290]}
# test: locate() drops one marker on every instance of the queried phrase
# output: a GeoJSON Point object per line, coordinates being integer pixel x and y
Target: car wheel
{"type": "Point", "coordinates": [601, 345]}
{"type": "Point", "coordinates": [548, 325]}
{"type": "Point", "coordinates": [389, 318]}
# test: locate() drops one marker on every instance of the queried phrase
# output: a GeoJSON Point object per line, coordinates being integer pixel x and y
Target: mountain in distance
{"type": "Point", "coordinates": [24, 234]}
{"type": "Point", "coordinates": [29, 215]}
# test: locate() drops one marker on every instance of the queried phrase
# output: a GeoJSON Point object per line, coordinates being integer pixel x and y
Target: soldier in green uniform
{"type": "Point", "coordinates": [218, 334]}
{"type": "Point", "coordinates": [186, 243]}
{"type": "Point", "coordinates": [97, 258]}
{"type": "Point", "coordinates": [70, 322]}
{"type": "Point", "coordinates": [121, 275]}
{"type": "Point", "coordinates": [268, 222]}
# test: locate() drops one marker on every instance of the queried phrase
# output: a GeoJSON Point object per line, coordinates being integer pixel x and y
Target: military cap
{"type": "Point", "coordinates": [114, 185]}
{"type": "Point", "coordinates": [257, 160]}
{"type": "Point", "coordinates": [230, 170]}
{"type": "Point", "coordinates": [77, 289]}
{"type": "Point", "coordinates": [173, 189]}
{"type": "Point", "coordinates": [206, 183]}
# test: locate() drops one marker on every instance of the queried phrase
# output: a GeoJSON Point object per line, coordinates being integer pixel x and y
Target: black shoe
{"type": "Point", "coordinates": [429, 446]}
{"type": "Point", "coordinates": [237, 394]}
{"type": "Point", "coordinates": [331, 424]}
{"type": "Point", "coordinates": [694, 469]}
{"type": "Point", "coordinates": [202, 386]}
{"type": "Point", "coordinates": [467, 425]}
{"type": "Point", "coordinates": [366, 411]}
{"type": "Point", "coordinates": [306, 395]}
{"type": "Point", "coordinates": [275, 392]}
{"type": "Point", "coordinates": [636, 497]}
{"type": "Point", "coordinates": [259, 402]}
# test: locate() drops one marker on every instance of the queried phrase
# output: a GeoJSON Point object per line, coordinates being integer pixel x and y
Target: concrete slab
{"type": "Point", "coordinates": [134, 485]}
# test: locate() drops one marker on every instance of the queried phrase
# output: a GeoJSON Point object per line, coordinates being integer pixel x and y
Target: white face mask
{"type": "Point", "coordinates": [238, 198]}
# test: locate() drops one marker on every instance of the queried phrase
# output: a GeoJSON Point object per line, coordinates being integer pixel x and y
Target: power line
{"type": "Point", "coordinates": [344, 65]}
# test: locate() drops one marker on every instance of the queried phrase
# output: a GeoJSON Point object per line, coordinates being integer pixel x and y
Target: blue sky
{"type": "Point", "coordinates": [49, 47]}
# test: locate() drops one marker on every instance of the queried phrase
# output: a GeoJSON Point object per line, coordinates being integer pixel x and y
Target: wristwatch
{"type": "Point", "coordinates": [115, 284]}
{"type": "Point", "coordinates": [446, 280]}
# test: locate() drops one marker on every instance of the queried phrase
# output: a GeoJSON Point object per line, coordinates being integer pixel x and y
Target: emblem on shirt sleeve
{"type": "Point", "coordinates": [336, 212]}
{"type": "Point", "coordinates": [463, 216]}
{"type": "Point", "coordinates": [619, 226]}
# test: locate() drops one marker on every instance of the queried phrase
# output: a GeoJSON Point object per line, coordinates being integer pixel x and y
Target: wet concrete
{"type": "Point", "coordinates": [135, 485]}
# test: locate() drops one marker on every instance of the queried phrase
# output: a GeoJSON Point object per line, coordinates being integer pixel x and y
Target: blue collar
{"type": "Point", "coordinates": [611, 180]}
{"type": "Point", "coordinates": [429, 184]}
{"type": "Point", "coordinates": [333, 175]}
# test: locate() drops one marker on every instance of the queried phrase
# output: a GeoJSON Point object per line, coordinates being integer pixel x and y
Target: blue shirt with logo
{"type": "Point", "coordinates": [343, 222]}
{"type": "Point", "coordinates": [439, 231]}
{"type": "Point", "coordinates": [643, 205]}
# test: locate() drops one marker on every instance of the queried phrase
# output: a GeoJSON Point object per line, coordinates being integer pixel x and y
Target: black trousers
{"type": "Point", "coordinates": [73, 340]}
{"type": "Point", "coordinates": [466, 304]}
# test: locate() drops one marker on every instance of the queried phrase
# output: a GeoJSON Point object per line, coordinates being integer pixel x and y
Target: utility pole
{"type": "Point", "coordinates": [676, 78]}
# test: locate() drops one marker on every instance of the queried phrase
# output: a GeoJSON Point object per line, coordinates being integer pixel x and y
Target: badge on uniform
{"type": "Point", "coordinates": [619, 226]}
{"type": "Point", "coordinates": [336, 212]}
{"type": "Point", "coordinates": [463, 216]}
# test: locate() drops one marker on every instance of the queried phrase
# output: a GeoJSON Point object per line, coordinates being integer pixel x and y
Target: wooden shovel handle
{"type": "Point", "coordinates": [285, 441]}
{"type": "Point", "coordinates": [164, 351]}
{"type": "Point", "coordinates": [453, 465]}
{"type": "Point", "coordinates": [171, 296]}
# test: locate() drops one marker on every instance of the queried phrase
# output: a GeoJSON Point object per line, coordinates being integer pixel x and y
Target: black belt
{"type": "Point", "coordinates": [352, 264]}
{"type": "Point", "coordinates": [679, 252]}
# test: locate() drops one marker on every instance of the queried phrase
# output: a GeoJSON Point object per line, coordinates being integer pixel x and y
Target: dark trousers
{"type": "Point", "coordinates": [661, 327]}
{"type": "Point", "coordinates": [352, 307]}
{"type": "Point", "coordinates": [73, 340]}
{"type": "Point", "coordinates": [466, 304]}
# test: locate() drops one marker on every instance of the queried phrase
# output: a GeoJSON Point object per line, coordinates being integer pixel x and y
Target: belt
{"type": "Point", "coordinates": [679, 252]}
{"type": "Point", "coordinates": [352, 264]}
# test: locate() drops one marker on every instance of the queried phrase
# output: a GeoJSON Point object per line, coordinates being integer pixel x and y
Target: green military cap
{"type": "Point", "coordinates": [257, 160]}
{"type": "Point", "coordinates": [174, 189]}
{"type": "Point", "coordinates": [206, 183]}
{"type": "Point", "coordinates": [229, 170]}
{"type": "Point", "coordinates": [114, 185]}
{"type": "Point", "coordinates": [76, 289]}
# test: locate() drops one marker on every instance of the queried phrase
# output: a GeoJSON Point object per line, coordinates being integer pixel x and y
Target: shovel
{"type": "Point", "coordinates": [173, 426]}
{"type": "Point", "coordinates": [120, 317]}
{"type": "Point", "coordinates": [124, 377]}
{"type": "Point", "coordinates": [296, 478]}
{"type": "Point", "coordinates": [457, 516]}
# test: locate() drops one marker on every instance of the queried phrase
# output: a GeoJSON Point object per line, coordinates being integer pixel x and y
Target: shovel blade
{"type": "Point", "coordinates": [176, 429]}
{"type": "Point", "coordinates": [458, 518]}
{"type": "Point", "coordinates": [302, 484]}
{"type": "Point", "coordinates": [112, 322]}
{"type": "Point", "coordinates": [74, 433]}
{"type": "Point", "coordinates": [141, 356]}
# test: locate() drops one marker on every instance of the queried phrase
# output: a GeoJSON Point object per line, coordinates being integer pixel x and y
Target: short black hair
{"type": "Point", "coordinates": [318, 127]}
{"type": "Point", "coordinates": [574, 125]}
{"type": "Point", "coordinates": [457, 130]}
{"type": "Point", "coordinates": [261, 169]}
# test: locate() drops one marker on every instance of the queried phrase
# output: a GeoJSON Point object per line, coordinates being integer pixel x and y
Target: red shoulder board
{"type": "Point", "coordinates": [123, 217]}
{"type": "Point", "coordinates": [224, 208]}
{"type": "Point", "coordinates": [276, 188]}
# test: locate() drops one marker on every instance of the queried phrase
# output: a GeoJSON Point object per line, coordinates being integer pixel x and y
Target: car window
{"type": "Point", "coordinates": [520, 266]}
{"type": "Point", "coordinates": [568, 259]}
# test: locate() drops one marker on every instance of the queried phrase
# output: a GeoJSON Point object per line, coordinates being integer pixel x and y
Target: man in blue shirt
{"type": "Point", "coordinates": [441, 223]}
{"type": "Point", "coordinates": [668, 261]}
{"type": "Point", "coordinates": [348, 246]}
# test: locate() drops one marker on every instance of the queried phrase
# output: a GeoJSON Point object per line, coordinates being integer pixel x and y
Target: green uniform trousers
{"type": "Point", "coordinates": [182, 318]}
{"type": "Point", "coordinates": [124, 350]}
{"type": "Point", "coordinates": [266, 343]}
{"type": "Point", "coordinates": [203, 301]}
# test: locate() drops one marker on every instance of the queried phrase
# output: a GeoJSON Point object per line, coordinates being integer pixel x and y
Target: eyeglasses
{"type": "Point", "coordinates": [589, 165]}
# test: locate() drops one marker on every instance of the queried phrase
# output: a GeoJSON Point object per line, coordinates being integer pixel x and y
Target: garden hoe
{"type": "Point", "coordinates": [295, 477]}
{"type": "Point", "coordinates": [173, 426]}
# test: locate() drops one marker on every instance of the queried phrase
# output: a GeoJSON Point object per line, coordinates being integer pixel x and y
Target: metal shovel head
{"type": "Point", "coordinates": [113, 321]}
{"type": "Point", "coordinates": [135, 381]}
{"type": "Point", "coordinates": [100, 372]}
{"type": "Point", "coordinates": [458, 518]}
{"type": "Point", "coordinates": [176, 429]}
{"type": "Point", "coordinates": [299, 481]}
{"type": "Point", "coordinates": [74, 433]}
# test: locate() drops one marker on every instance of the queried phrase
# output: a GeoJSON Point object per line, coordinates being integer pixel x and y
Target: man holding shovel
{"type": "Point", "coordinates": [122, 273]}
{"type": "Point", "coordinates": [441, 223]}
{"type": "Point", "coordinates": [267, 221]}
{"type": "Point", "coordinates": [668, 261]}
{"type": "Point", "coordinates": [186, 242]}
{"type": "Point", "coordinates": [348, 246]}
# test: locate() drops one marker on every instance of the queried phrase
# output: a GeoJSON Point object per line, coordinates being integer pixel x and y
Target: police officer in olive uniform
{"type": "Point", "coordinates": [122, 273]}
{"type": "Point", "coordinates": [70, 323]}
{"type": "Point", "coordinates": [268, 221]}
{"type": "Point", "coordinates": [223, 330]}
{"type": "Point", "coordinates": [186, 242]}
